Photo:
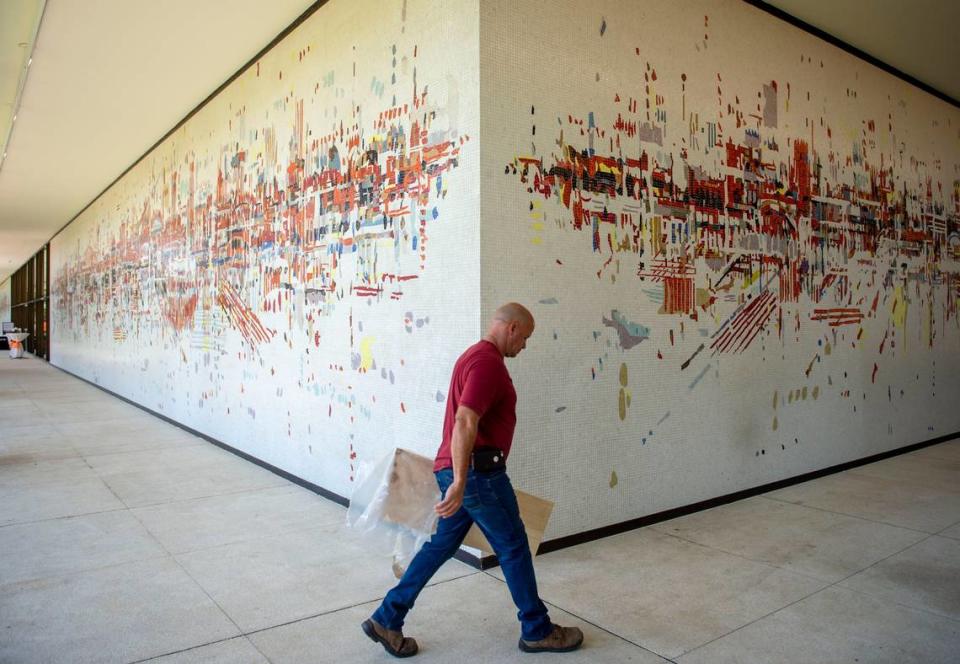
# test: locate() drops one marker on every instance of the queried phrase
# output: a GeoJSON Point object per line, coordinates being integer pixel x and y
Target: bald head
{"type": "Point", "coordinates": [513, 312]}
{"type": "Point", "coordinates": [511, 326]}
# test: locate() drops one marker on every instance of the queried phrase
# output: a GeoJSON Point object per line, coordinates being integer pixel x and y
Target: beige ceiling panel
{"type": "Point", "coordinates": [19, 20]}
{"type": "Point", "coordinates": [109, 78]}
{"type": "Point", "coordinates": [918, 37]}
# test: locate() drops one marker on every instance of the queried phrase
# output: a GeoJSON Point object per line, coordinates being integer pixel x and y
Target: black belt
{"type": "Point", "coordinates": [488, 459]}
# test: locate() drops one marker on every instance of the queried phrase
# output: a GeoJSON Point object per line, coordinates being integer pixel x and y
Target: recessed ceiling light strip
{"type": "Point", "coordinates": [22, 81]}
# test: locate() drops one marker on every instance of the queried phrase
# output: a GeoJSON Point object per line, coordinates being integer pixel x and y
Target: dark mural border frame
{"type": "Point", "coordinates": [487, 562]}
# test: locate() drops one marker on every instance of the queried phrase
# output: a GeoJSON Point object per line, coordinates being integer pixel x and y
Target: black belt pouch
{"type": "Point", "coordinates": [487, 459]}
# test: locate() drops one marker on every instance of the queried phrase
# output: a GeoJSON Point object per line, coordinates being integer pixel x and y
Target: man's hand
{"type": "Point", "coordinates": [451, 501]}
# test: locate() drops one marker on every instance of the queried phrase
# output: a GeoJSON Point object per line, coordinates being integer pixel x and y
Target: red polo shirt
{"type": "Point", "coordinates": [481, 382]}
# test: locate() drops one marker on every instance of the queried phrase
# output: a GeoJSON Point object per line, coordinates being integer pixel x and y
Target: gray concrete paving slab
{"type": "Point", "coordinates": [925, 576]}
{"type": "Point", "coordinates": [169, 459]}
{"type": "Point", "coordinates": [953, 531]}
{"type": "Point", "coordinates": [838, 625]}
{"type": "Point", "coordinates": [31, 473]}
{"type": "Point", "coordinates": [801, 539]}
{"type": "Point", "coordinates": [25, 430]}
{"type": "Point", "coordinates": [895, 502]}
{"type": "Point", "coordinates": [127, 435]}
{"type": "Point", "coordinates": [117, 614]}
{"type": "Point", "coordinates": [930, 471]}
{"type": "Point", "coordinates": [53, 500]}
{"type": "Point", "coordinates": [202, 523]}
{"type": "Point", "coordinates": [662, 592]}
{"type": "Point", "coordinates": [84, 578]}
{"type": "Point", "coordinates": [949, 450]}
{"type": "Point", "coordinates": [470, 619]}
{"type": "Point", "coordinates": [153, 486]}
{"type": "Point", "coordinates": [74, 413]}
{"type": "Point", "coordinates": [74, 544]}
{"type": "Point", "coordinates": [273, 580]}
{"type": "Point", "coordinates": [34, 449]}
{"type": "Point", "coordinates": [232, 651]}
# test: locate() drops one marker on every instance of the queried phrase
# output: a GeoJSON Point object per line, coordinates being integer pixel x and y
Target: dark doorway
{"type": "Point", "coordinates": [29, 302]}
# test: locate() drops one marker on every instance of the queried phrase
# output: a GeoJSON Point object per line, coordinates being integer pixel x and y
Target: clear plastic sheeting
{"type": "Point", "coordinates": [393, 505]}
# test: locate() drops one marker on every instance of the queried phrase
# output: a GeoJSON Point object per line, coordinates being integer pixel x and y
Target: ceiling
{"type": "Point", "coordinates": [918, 37]}
{"type": "Point", "coordinates": [109, 78]}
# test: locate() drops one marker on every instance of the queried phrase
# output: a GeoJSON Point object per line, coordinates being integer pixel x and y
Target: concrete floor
{"type": "Point", "coordinates": [124, 538]}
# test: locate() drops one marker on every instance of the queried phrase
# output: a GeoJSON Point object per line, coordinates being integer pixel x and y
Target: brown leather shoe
{"type": "Point", "coordinates": [561, 639]}
{"type": "Point", "coordinates": [393, 642]}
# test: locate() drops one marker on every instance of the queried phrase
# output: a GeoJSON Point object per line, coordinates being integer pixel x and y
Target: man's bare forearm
{"type": "Point", "coordinates": [464, 438]}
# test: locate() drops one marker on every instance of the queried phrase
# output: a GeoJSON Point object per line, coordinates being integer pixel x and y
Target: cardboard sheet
{"type": "Point", "coordinates": [535, 513]}
{"type": "Point", "coordinates": [412, 483]}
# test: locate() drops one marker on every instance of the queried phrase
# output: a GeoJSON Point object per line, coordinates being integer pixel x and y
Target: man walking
{"type": "Point", "coordinates": [471, 471]}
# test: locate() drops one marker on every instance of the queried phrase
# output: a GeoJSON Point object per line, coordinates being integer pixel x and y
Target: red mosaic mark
{"type": "Point", "coordinates": [739, 331]}
{"type": "Point", "coordinates": [678, 295]}
{"type": "Point", "coordinates": [838, 316]}
{"type": "Point", "coordinates": [664, 268]}
{"type": "Point", "coordinates": [241, 316]}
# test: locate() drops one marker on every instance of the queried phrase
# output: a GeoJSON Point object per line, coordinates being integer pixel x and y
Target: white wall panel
{"type": "Point", "coordinates": [295, 269]}
{"type": "Point", "coordinates": [740, 243]}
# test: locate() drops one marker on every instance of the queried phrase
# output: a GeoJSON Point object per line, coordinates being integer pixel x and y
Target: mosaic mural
{"type": "Point", "coordinates": [268, 234]}
{"type": "Point", "coordinates": [251, 276]}
{"type": "Point", "coordinates": [749, 229]}
{"type": "Point", "coordinates": [743, 245]}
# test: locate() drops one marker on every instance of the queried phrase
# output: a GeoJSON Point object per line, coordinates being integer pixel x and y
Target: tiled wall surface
{"type": "Point", "coordinates": [294, 270]}
{"type": "Point", "coordinates": [741, 245]}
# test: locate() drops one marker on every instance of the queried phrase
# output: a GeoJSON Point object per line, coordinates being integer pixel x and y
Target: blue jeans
{"type": "Point", "coordinates": [488, 501]}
